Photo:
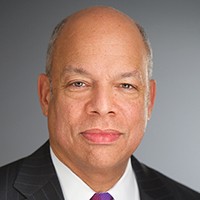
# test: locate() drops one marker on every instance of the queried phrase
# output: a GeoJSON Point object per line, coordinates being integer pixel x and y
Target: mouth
{"type": "Point", "coordinates": [98, 136]}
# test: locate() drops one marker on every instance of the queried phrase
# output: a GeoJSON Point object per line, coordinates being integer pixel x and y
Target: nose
{"type": "Point", "coordinates": [101, 102]}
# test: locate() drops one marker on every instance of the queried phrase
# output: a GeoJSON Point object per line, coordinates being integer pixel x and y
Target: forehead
{"type": "Point", "coordinates": [85, 41]}
{"type": "Point", "coordinates": [107, 60]}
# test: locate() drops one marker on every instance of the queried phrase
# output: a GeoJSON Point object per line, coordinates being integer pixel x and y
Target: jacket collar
{"type": "Point", "coordinates": [37, 177]}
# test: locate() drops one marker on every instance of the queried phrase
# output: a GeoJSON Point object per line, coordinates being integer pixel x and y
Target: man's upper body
{"type": "Point", "coordinates": [97, 94]}
{"type": "Point", "coordinates": [35, 178]}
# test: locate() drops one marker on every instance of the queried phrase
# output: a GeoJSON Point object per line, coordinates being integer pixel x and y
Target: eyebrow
{"type": "Point", "coordinates": [74, 70]}
{"type": "Point", "coordinates": [135, 73]}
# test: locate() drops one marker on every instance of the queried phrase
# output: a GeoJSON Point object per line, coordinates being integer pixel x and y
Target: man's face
{"type": "Point", "coordinates": [98, 109]}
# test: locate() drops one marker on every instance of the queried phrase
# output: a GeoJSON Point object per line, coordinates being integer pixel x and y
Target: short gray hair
{"type": "Point", "coordinates": [148, 50]}
{"type": "Point", "coordinates": [51, 44]}
{"type": "Point", "coordinates": [60, 26]}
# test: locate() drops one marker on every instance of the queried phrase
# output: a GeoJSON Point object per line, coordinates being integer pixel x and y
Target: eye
{"type": "Point", "coordinates": [127, 86]}
{"type": "Point", "coordinates": [78, 84]}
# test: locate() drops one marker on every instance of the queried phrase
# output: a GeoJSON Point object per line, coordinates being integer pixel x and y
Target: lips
{"type": "Point", "coordinates": [99, 136]}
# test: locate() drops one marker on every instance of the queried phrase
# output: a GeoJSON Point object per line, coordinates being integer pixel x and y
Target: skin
{"type": "Point", "coordinates": [101, 97]}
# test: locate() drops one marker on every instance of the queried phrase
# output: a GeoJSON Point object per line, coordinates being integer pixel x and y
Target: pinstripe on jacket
{"type": "Point", "coordinates": [34, 178]}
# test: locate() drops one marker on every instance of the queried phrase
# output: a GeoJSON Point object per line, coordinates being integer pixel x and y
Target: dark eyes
{"type": "Point", "coordinates": [82, 86]}
{"type": "Point", "coordinates": [78, 84]}
{"type": "Point", "coordinates": [128, 86]}
{"type": "Point", "coordinates": [123, 85]}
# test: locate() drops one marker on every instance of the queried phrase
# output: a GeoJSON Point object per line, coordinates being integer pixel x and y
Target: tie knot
{"type": "Point", "coordinates": [102, 196]}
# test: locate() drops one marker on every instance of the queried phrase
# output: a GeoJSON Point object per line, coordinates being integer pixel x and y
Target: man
{"type": "Point", "coordinates": [98, 95]}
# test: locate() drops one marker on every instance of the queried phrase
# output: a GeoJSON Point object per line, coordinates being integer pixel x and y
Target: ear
{"type": "Point", "coordinates": [44, 93]}
{"type": "Point", "coordinates": [152, 95]}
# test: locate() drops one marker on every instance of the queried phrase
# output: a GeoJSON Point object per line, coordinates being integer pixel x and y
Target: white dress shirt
{"type": "Point", "coordinates": [74, 188]}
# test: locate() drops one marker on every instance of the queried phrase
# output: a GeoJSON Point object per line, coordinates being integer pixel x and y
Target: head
{"type": "Point", "coordinates": [97, 93]}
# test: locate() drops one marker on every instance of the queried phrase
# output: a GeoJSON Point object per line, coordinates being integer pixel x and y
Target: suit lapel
{"type": "Point", "coordinates": [150, 185]}
{"type": "Point", "coordinates": [37, 177]}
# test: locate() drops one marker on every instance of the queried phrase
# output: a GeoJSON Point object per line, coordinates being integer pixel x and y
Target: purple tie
{"type": "Point", "coordinates": [102, 196]}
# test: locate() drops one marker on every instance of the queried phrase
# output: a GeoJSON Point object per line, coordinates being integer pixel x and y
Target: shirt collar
{"type": "Point", "coordinates": [126, 187]}
{"type": "Point", "coordinates": [74, 188]}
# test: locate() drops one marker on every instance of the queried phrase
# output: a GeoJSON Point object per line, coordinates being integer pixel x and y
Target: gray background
{"type": "Point", "coordinates": [172, 140]}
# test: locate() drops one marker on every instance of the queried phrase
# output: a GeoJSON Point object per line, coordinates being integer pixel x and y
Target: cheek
{"type": "Point", "coordinates": [135, 118]}
{"type": "Point", "coordinates": [67, 115]}
{"type": "Point", "coordinates": [134, 111]}
{"type": "Point", "coordinates": [58, 112]}
{"type": "Point", "coordinates": [62, 117]}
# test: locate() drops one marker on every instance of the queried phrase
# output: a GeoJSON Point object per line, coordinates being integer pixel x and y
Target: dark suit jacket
{"type": "Point", "coordinates": [34, 178]}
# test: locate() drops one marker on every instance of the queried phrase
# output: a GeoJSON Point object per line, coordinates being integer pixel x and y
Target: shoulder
{"type": "Point", "coordinates": [23, 170]}
{"type": "Point", "coordinates": [8, 174]}
{"type": "Point", "coordinates": [9, 171]}
{"type": "Point", "coordinates": [156, 184]}
{"type": "Point", "coordinates": [181, 191]}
